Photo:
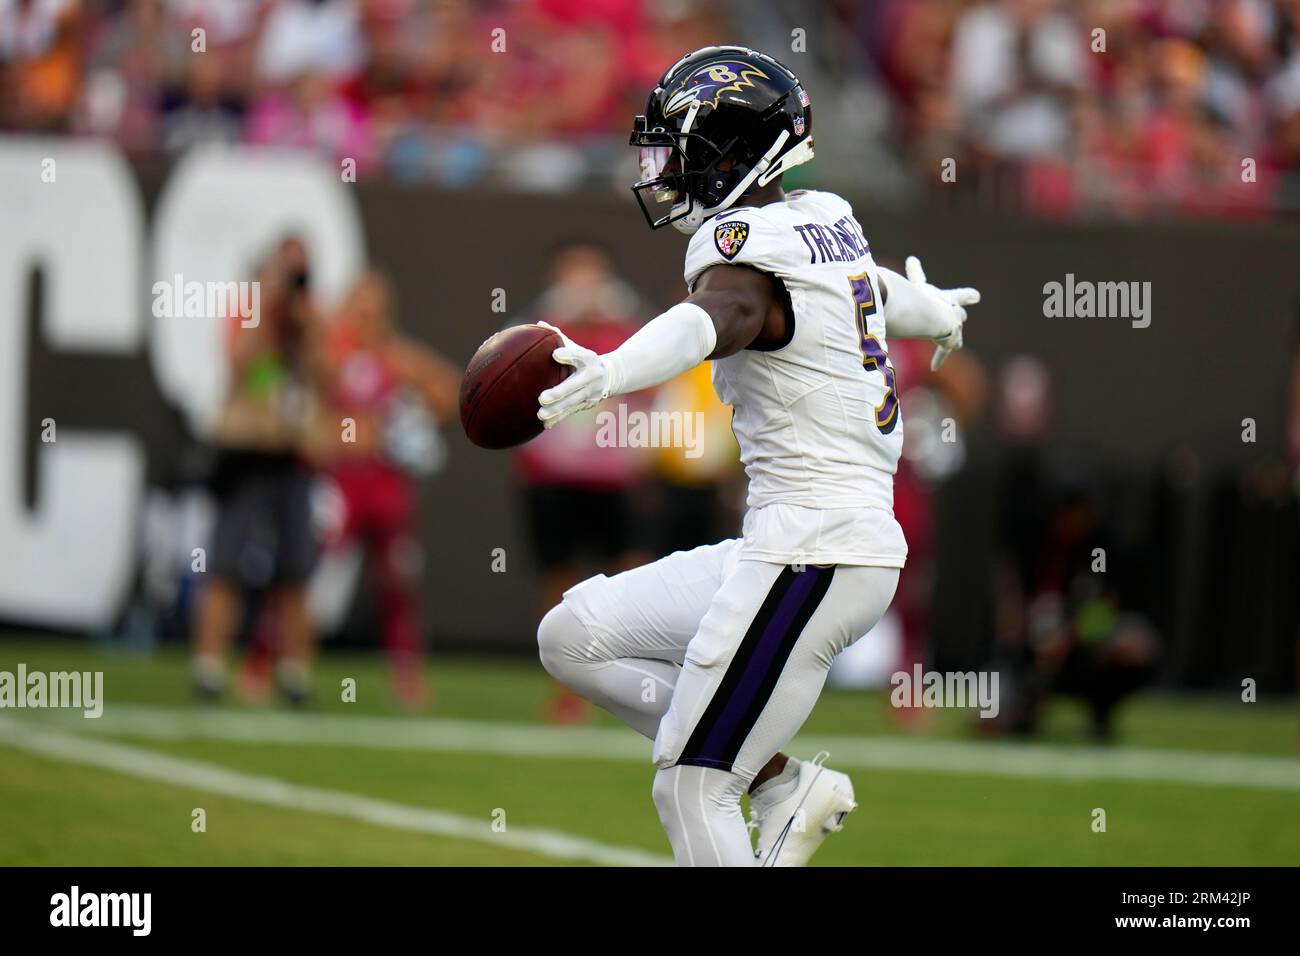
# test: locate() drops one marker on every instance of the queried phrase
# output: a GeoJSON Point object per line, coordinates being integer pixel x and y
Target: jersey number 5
{"type": "Point", "coordinates": [873, 356]}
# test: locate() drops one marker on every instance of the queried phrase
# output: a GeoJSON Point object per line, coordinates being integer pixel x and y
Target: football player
{"type": "Point", "coordinates": [719, 654]}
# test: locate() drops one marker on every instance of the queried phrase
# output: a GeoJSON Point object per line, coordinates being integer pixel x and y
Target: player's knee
{"type": "Point", "coordinates": [665, 793]}
{"type": "Point", "coordinates": [560, 637]}
{"type": "Point", "coordinates": [688, 790]}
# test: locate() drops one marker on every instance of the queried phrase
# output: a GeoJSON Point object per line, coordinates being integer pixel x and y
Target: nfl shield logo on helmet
{"type": "Point", "coordinates": [729, 237]}
{"type": "Point", "coordinates": [798, 126]}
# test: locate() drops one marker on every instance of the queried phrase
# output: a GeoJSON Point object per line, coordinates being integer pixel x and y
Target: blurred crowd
{"type": "Point", "coordinates": [448, 89]}
{"type": "Point", "coordinates": [1129, 107]}
{"type": "Point", "coordinates": [1112, 107]}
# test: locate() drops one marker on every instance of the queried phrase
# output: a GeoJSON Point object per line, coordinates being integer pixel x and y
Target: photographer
{"type": "Point", "coordinates": [263, 541]}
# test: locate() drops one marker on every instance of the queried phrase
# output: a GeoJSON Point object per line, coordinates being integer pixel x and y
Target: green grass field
{"type": "Point", "coordinates": [479, 780]}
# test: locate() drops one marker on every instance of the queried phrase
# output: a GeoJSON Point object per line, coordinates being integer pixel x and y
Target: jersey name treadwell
{"type": "Point", "coordinates": [839, 242]}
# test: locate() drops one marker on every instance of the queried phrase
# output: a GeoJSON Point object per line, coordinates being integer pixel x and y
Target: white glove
{"type": "Point", "coordinates": [956, 299]}
{"type": "Point", "coordinates": [587, 385]}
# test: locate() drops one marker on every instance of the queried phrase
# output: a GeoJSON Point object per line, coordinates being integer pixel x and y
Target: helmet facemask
{"type": "Point", "coordinates": [682, 181]}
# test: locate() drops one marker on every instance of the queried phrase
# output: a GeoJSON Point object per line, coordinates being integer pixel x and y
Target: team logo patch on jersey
{"type": "Point", "coordinates": [729, 237]}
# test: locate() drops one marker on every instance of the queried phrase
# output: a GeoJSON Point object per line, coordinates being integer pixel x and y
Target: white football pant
{"type": "Point", "coordinates": [719, 661]}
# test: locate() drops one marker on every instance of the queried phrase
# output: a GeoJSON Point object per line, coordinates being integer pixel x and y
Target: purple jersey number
{"type": "Point", "coordinates": [873, 356]}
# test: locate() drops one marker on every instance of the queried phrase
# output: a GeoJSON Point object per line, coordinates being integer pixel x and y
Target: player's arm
{"type": "Point", "coordinates": [915, 309]}
{"type": "Point", "coordinates": [730, 308]}
{"type": "Point", "coordinates": [744, 307]}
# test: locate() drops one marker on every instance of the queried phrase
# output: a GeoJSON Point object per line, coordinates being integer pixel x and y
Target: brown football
{"type": "Point", "coordinates": [498, 396]}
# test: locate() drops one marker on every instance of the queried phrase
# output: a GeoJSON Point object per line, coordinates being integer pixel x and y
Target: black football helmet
{"type": "Point", "coordinates": [719, 103]}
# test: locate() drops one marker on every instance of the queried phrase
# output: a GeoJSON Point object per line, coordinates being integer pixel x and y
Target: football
{"type": "Point", "coordinates": [498, 396]}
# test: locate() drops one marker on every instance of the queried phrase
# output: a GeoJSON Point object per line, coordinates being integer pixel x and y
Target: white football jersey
{"type": "Point", "coordinates": [818, 420]}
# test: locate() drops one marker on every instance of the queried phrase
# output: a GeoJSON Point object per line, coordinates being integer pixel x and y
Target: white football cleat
{"type": "Point", "coordinates": [792, 828]}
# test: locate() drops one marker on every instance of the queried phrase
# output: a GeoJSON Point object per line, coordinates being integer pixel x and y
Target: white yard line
{"type": "Point", "coordinates": [212, 779]}
{"type": "Point", "coordinates": [1042, 761]}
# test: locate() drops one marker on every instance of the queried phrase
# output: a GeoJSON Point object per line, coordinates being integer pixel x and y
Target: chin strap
{"type": "Point", "coordinates": [757, 172]}
{"type": "Point", "coordinates": [796, 157]}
